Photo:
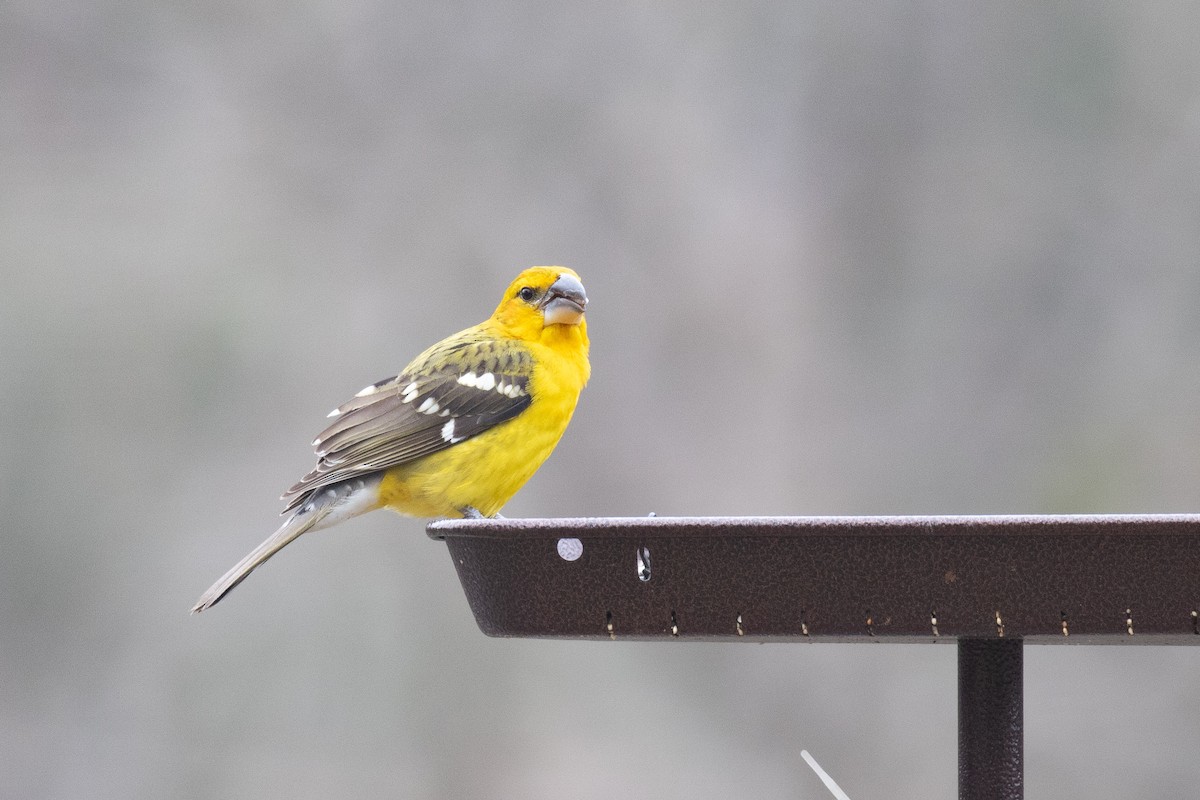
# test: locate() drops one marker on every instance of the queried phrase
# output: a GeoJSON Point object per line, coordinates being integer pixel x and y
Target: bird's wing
{"type": "Point", "coordinates": [455, 390]}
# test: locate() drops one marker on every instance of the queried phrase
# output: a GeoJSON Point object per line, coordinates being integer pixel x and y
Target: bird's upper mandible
{"type": "Point", "coordinates": [564, 302]}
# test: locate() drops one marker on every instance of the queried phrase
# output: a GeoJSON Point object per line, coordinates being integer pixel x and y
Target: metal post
{"type": "Point", "coordinates": [990, 724]}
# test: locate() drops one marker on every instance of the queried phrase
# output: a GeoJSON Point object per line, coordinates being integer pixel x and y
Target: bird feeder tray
{"type": "Point", "coordinates": [1096, 579]}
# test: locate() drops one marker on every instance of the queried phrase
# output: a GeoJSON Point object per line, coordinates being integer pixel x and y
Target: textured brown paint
{"type": "Point", "coordinates": [836, 578]}
{"type": "Point", "coordinates": [991, 753]}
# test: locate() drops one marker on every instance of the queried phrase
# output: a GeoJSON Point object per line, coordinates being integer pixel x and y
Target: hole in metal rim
{"type": "Point", "coordinates": [643, 564]}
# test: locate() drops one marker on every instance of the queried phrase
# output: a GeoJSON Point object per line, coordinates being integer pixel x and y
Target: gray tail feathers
{"type": "Point", "coordinates": [323, 508]}
{"type": "Point", "coordinates": [296, 524]}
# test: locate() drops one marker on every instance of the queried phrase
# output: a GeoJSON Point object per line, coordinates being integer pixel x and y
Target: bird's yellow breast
{"type": "Point", "coordinates": [485, 471]}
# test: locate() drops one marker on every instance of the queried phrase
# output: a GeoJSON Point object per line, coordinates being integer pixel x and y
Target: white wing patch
{"type": "Point", "coordinates": [429, 406]}
{"type": "Point", "coordinates": [410, 392]}
{"type": "Point", "coordinates": [448, 433]}
{"type": "Point", "coordinates": [487, 382]}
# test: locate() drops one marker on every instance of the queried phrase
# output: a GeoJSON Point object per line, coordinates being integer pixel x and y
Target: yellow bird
{"type": "Point", "coordinates": [458, 432]}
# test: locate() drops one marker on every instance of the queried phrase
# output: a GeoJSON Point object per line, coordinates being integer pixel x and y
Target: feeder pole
{"type": "Point", "coordinates": [990, 727]}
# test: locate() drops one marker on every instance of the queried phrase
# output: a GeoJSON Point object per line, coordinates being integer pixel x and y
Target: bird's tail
{"type": "Point", "coordinates": [327, 507]}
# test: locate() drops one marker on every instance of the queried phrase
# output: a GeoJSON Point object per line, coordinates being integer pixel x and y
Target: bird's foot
{"type": "Point", "coordinates": [471, 512]}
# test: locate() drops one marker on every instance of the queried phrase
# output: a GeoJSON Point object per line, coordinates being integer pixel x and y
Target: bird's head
{"type": "Point", "coordinates": [542, 297]}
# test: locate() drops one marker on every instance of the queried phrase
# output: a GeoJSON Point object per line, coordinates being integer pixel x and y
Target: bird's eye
{"type": "Point", "coordinates": [527, 293]}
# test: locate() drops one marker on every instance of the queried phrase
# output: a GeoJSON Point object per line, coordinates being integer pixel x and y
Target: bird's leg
{"type": "Point", "coordinates": [471, 512]}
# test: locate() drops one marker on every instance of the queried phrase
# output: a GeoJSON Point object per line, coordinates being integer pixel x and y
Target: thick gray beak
{"type": "Point", "coordinates": [564, 302]}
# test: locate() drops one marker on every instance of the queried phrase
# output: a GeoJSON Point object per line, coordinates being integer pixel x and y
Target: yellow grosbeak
{"type": "Point", "coordinates": [458, 432]}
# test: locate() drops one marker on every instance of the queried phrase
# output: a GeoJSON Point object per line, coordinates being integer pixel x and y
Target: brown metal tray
{"type": "Point", "coordinates": [1098, 579]}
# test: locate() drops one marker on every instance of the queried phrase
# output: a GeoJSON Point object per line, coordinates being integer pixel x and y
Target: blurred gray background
{"type": "Point", "coordinates": [844, 258]}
